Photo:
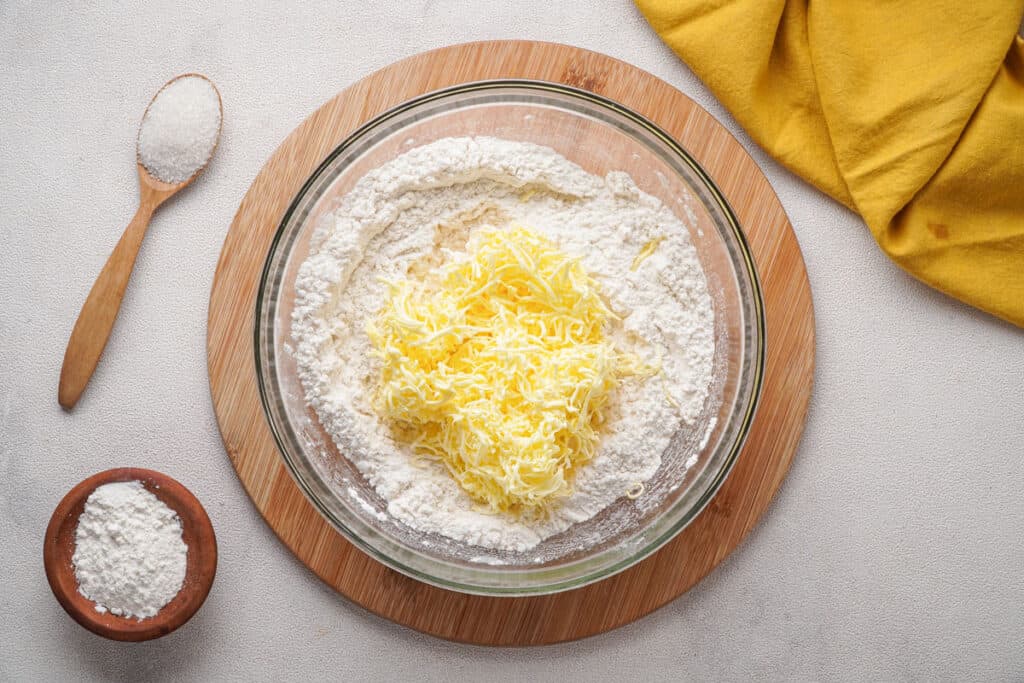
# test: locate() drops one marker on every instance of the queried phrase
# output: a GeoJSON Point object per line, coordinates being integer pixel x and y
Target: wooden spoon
{"type": "Point", "coordinates": [200, 566]}
{"type": "Point", "coordinates": [96, 319]}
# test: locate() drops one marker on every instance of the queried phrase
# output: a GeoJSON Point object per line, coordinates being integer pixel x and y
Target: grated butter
{"type": "Point", "coordinates": [501, 367]}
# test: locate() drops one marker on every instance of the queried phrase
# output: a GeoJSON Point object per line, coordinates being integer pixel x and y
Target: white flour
{"type": "Point", "coordinates": [414, 208]}
{"type": "Point", "coordinates": [129, 555]}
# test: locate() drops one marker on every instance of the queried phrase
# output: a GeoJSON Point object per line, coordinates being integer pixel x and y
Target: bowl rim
{"type": "Point", "coordinates": [757, 358]}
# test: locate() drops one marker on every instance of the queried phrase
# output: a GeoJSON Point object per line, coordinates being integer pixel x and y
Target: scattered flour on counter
{"type": "Point", "coordinates": [129, 555]}
{"type": "Point", "coordinates": [416, 212]}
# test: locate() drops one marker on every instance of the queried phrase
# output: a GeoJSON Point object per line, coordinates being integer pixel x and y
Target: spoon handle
{"type": "Point", "coordinates": [95, 321]}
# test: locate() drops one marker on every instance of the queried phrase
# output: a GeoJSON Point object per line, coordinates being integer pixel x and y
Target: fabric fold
{"type": "Point", "coordinates": [910, 113]}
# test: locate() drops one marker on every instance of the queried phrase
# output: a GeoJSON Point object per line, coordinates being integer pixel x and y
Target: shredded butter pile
{"type": "Point", "coordinates": [500, 367]}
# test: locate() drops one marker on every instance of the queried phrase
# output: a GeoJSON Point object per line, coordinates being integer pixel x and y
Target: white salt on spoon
{"type": "Point", "coordinates": [180, 129]}
{"type": "Point", "coordinates": [177, 138]}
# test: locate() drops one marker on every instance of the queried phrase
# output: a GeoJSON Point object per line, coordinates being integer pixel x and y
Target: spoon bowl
{"type": "Point", "coordinates": [153, 178]}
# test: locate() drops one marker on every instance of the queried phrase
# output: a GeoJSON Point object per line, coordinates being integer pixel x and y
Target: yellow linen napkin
{"type": "Point", "coordinates": [911, 113]}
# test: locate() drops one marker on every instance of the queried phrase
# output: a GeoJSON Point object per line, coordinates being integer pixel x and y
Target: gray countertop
{"type": "Point", "coordinates": [892, 551]}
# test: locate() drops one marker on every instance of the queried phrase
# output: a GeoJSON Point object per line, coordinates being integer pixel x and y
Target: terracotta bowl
{"type": "Point", "coordinates": [197, 532]}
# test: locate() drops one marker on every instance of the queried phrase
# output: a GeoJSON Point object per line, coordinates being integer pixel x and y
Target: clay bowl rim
{"type": "Point", "coordinates": [197, 531]}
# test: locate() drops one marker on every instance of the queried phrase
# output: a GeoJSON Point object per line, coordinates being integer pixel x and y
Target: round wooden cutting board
{"type": "Point", "coordinates": [684, 561]}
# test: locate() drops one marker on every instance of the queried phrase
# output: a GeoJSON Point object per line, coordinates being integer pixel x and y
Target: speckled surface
{"type": "Point", "coordinates": [893, 550]}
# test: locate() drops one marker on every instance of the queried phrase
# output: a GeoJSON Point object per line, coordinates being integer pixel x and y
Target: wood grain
{"type": "Point", "coordinates": [535, 620]}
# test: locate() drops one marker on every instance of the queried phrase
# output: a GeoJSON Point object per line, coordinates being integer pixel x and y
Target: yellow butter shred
{"type": "Point", "coordinates": [527, 194]}
{"type": "Point", "coordinates": [646, 251]}
{"type": "Point", "coordinates": [500, 367]}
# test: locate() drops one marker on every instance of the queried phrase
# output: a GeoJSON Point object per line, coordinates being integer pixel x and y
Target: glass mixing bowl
{"type": "Point", "coordinates": [601, 136]}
